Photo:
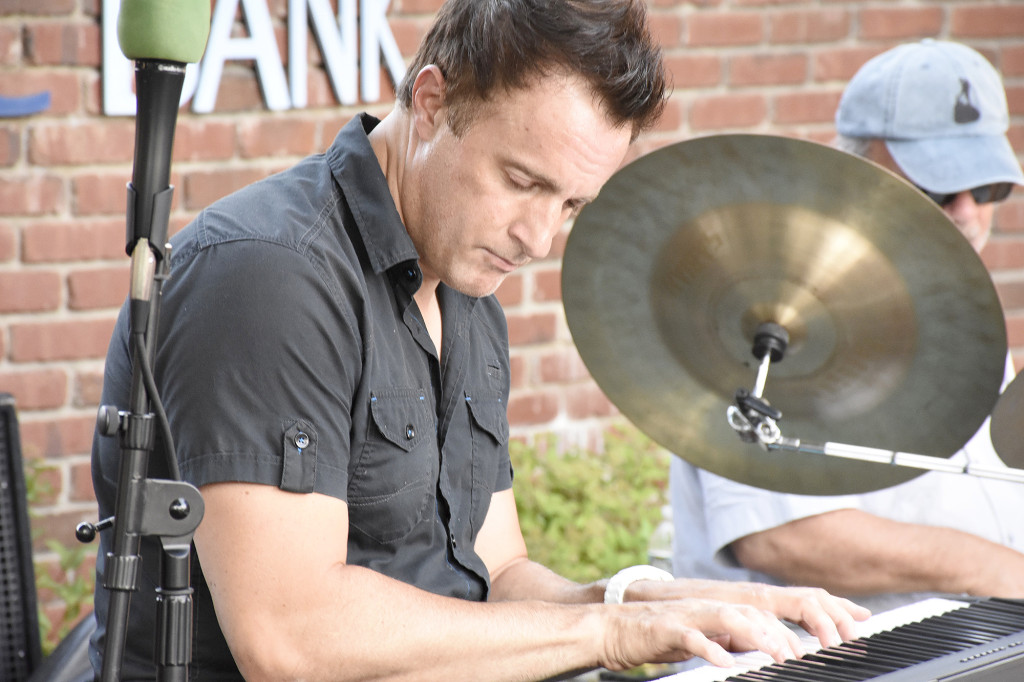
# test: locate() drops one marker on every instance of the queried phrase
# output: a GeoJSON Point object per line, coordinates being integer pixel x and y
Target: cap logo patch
{"type": "Point", "coordinates": [964, 111]}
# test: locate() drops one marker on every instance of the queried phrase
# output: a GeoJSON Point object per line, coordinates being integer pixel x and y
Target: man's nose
{"type": "Point", "coordinates": [538, 228]}
{"type": "Point", "coordinates": [966, 214]}
{"type": "Point", "coordinates": [962, 205]}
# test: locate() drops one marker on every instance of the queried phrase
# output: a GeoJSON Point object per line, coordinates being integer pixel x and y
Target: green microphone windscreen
{"type": "Point", "coordinates": [171, 30]}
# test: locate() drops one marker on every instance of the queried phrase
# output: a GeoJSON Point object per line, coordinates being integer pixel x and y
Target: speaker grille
{"type": "Point", "coordinates": [19, 623]}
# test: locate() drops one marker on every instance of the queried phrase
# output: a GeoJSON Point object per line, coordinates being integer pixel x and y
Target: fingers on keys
{"type": "Point", "coordinates": [832, 620]}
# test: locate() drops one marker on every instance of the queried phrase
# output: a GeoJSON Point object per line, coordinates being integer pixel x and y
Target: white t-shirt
{"type": "Point", "coordinates": [709, 512]}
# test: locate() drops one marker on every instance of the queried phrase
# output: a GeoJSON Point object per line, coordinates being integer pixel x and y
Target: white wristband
{"type": "Point", "coordinates": [616, 588]}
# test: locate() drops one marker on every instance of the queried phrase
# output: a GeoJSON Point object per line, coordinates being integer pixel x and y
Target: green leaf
{"type": "Point", "coordinates": [587, 514]}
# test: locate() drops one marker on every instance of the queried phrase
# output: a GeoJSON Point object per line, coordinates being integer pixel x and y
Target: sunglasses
{"type": "Point", "coordinates": [986, 194]}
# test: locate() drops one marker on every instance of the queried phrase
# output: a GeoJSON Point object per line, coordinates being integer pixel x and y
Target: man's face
{"type": "Point", "coordinates": [974, 220]}
{"type": "Point", "coordinates": [482, 204]}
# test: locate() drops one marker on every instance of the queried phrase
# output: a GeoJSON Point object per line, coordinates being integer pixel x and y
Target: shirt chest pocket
{"type": "Point", "coordinates": [489, 433]}
{"type": "Point", "coordinates": [391, 486]}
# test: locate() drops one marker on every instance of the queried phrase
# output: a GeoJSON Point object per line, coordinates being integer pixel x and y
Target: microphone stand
{"type": "Point", "coordinates": [168, 509]}
{"type": "Point", "coordinates": [756, 422]}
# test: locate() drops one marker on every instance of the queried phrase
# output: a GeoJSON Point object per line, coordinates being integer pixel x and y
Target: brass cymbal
{"type": "Point", "coordinates": [1007, 427]}
{"type": "Point", "coordinates": [897, 339]}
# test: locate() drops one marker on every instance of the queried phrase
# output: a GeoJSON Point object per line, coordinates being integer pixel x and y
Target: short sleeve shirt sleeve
{"type": "Point", "coordinates": [257, 362]}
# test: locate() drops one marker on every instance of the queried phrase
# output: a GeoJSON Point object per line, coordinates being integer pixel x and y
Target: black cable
{"type": "Point", "coordinates": [142, 353]}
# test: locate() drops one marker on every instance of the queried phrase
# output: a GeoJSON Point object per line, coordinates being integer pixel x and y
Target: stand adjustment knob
{"type": "Point", "coordinates": [86, 532]}
{"type": "Point", "coordinates": [108, 420]}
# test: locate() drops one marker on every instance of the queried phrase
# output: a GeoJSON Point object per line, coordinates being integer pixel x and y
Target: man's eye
{"type": "Point", "coordinates": [519, 182]}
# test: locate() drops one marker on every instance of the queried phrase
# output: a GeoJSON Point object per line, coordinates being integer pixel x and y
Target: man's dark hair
{"type": "Point", "coordinates": [482, 46]}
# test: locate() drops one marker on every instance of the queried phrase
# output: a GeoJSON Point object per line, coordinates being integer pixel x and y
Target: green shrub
{"type": "Point", "coordinates": [584, 514]}
{"type": "Point", "coordinates": [74, 587]}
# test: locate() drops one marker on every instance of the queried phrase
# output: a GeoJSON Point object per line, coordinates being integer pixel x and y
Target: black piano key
{"type": "Point", "coordinates": [867, 647]}
{"type": "Point", "coordinates": [879, 661]}
{"type": "Point", "coordinates": [750, 676]}
{"type": "Point", "coordinates": [903, 656]}
{"type": "Point", "coordinates": [987, 628]}
{"type": "Point", "coordinates": [828, 672]}
{"type": "Point", "coordinates": [1005, 623]}
{"type": "Point", "coordinates": [847, 661]}
{"type": "Point", "coordinates": [785, 671]}
{"type": "Point", "coordinates": [878, 642]}
{"type": "Point", "coordinates": [856, 668]}
{"type": "Point", "coordinates": [914, 642]}
{"type": "Point", "coordinates": [773, 673]}
{"type": "Point", "coordinates": [883, 650]}
{"type": "Point", "coordinates": [920, 635]}
{"type": "Point", "coordinates": [997, 610]}
{"type": "Point", "coordinates": [981, 621]}
{"type": "Point", "coordinates": [894, 657]}
{"type": "Point", "coordinates": [945, 632]}
{"type": "Point", "coordinates": [789, 673]}
{"type": "Point", "coordinates": [995, 617]}
{"type": "Point", "coordinates": [1010, 622]}
{"type": "Point", "coordinates": [1004, 605]}
{"type": "Point", "coordinates": [996, 605]}
{"type": "Point", "coordinates": [832, 671]}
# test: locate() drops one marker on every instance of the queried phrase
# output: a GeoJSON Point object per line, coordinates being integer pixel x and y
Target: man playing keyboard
{"type": "Point", "coordinates": [335, 370]}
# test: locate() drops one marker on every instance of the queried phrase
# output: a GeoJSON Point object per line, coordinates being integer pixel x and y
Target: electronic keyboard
{"type": "Point", "coordinates": [981, 640]}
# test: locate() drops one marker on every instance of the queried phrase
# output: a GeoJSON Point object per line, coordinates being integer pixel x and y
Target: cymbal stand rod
{"type": "Point", "coordinates": [770, 343]}
{"type": "Point", "coordinates": [762, 376]}
{"type": "Point", "coordinates": [894, 458]}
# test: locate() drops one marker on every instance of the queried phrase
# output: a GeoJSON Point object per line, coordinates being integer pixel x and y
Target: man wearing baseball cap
{"type": "Point", "coordinates": [935, 113]}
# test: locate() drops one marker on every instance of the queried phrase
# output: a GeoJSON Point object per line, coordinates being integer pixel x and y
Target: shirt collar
{"type": "Point", "coordinates": [359, 176]}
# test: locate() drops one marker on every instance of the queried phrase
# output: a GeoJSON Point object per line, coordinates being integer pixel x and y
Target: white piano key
{"type": "Point", "coordinates": [881, 622]}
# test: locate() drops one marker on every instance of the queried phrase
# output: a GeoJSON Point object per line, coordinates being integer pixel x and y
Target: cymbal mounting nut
{"type": "Point", "coordinates": [770, 338]}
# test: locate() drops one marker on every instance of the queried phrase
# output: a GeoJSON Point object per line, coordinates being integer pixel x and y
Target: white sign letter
{"type": "Point", "coordinates": [376, 38]}
{"type": "Point", "coordinates": [118, 98]}
{"type": "Point", "coordinates": [260, 46]}
{"type": "Point", "coordinates": [337, 44]}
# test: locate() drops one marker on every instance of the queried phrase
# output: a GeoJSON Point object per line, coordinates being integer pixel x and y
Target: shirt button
{"type": "Point", "coordinates": [410, 274]}
{"type": "Point", "coordinates": [301, 440]}
{"type": "Point", "coordinates": [410, 432]}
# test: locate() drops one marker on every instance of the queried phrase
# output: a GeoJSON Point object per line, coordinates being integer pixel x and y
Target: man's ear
{"type": "Point", "coordinates": [428, 108]}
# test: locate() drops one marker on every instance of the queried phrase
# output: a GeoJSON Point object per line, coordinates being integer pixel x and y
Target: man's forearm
{"type": "Point", "coordinates": [365, 626]}
{"type": "Point", "coordinates": [527, 579]}
{"type": "Point", "coordinates": [855, 553]}
{"type": "Point", "coordinates": [397, 632]}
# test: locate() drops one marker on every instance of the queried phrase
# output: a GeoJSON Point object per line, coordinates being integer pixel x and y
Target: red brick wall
{"type": "Point", "coordinates": [768, 66]}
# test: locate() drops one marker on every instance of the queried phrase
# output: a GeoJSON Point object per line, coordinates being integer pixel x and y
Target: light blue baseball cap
{"type": "Point", "coordinates": [941, 109]}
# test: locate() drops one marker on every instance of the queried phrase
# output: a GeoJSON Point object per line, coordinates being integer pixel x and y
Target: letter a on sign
{"type": "Point", "coordinates": [259, 46]}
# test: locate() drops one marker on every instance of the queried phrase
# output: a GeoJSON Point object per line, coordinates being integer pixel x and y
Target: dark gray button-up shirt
{"type": "Point", "coordinates": [291, 353]}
